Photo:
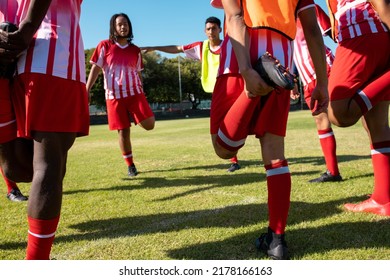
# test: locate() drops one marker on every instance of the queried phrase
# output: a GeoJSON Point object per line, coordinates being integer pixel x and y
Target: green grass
{"type": "Point", "coordinates": [184, 205]}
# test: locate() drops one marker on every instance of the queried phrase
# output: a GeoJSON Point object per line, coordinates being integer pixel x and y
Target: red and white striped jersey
{"type": "Point", "coordinates": [355, 18]}
{"type": "Point", "coordinates": [194, 50]}
{"type": "Point", "coordinates": [302, 58]}
{"type": "Point", "coordinates": [57, 48]}
{"type": "Point", "coordinates": [121, 66]}
{"type": "Point", "coordinates": [262, 40]}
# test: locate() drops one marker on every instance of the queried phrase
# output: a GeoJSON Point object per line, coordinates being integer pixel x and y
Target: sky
{"type": "Point", "coordinates": [155, 22]}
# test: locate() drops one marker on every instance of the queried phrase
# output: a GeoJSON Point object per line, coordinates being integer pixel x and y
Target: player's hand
{"type": "Point", "coordinates": [294, 93]}
{"type": "Point", "coordinates": [319, 100]}
{"type": "Point", "coordinates": [146, 49]}
{"type": "Point", "coordinates": [254, 84]}
{"type": "Point", "coordinates": [14, 43]}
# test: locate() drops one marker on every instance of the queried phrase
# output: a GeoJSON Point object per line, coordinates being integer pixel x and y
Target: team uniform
{"type": "Point", "coordinates": [362, 73]}
{"type": "Point", "coordinates": [271, 26]}
{"type": "Point", "coordinates": [210, 61]}
{"type": "Point", "coordinates": [302, 59]}
{"type": "Point", "coordinates": [123, 86]}
{"type": "Point", "coordinates": [225, 95]}
{"type": "Point", "coordinates": [52, 68]}
{"type": "Point", "coordinates": [49, 92]}
{"type": "Point", "coordinates": [358, 20]}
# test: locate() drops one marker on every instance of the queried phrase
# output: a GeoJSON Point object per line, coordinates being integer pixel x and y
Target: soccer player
{"type": "Point", "coordinates": [359, 86]}
{"type": "Point", "coordinates": [122, 64]}
{"type": "Point", "coordinates": [207, 52]}
{"type": "Point", "coordinates": [50, 102]}
{"type": "Point", "coordinates": [244, 104]}
{"type": "Point", "coordinates": [305, 67]}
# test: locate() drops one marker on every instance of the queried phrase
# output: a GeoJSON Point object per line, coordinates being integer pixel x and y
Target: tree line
{"type": "Point", "coordinates": [161, 80]}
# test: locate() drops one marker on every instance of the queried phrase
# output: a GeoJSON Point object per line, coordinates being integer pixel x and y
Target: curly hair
{"type": "Point", "coordinates": [113, 27]}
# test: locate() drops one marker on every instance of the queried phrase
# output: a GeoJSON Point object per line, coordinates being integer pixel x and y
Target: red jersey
{"type": "Point", "coordinates": [262, 40]}
{"type": "Point", "coordinates": [302, 59]}
{"type": "Point", "coordinates": [57, 48]}
{"type": "Point", "coordinates": [121, 66]}
{"type": "Point", "coordinates": [355, 18]}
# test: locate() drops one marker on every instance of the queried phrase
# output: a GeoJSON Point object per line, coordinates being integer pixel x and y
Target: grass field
{"type": "Point", "coordinates": [184, 205]}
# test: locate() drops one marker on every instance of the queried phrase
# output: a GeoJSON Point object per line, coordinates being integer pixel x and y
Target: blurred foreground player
{"type": "Point", "coordinates": [50, 103]}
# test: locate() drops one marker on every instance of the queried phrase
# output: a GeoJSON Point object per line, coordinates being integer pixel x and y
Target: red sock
{"type": "Point", "coordinates": [40, 238]}
{"type": "Point", "coordinates": [328, 145]}
{"type": "Point", "coordinates": [235, 127]}
{"type": "Point", "coordinates": [11, 185]}
{"type": "Point", "coordinates": [234, 159]}
{"type": "Point", "coordinates": [373, 93]}
{"type": "Point", "coordinates": [279, 189]}
{"type": "Point", "coordinates": [380, 155]}
{"type": "Point", "coordinates": [128, 157]}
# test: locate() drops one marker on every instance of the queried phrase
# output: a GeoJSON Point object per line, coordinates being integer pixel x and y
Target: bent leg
{"type": "Point", "coordinates": [148, 124]}
{"type": "Point", "coordinates": [16, 159]}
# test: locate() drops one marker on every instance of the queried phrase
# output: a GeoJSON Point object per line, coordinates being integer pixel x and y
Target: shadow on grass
{"type": "Point", "coordinates": [301, 242]}
{"type": "Point", "coordinates": [335, 236]}
{"type": "Point", "coordinates": [320, 159]}
{"type": "Point", "coordinates": [239, 177]}
{"type": "Point", "coordinates": [190, 185]}
{"type": "Point", "coordinates": [205, 168]}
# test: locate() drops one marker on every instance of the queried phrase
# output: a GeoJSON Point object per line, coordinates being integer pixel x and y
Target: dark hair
{"type": "Point", "coordinates": [113, 27]}
{"type": "Point", "coordinates": [214, 20]}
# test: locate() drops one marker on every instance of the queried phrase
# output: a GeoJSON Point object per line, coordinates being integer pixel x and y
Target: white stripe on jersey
{"type": "Point", "coordinates": [356, 18]}
{"type": "Point", "coordinates": [279, 46]}
{"type": "Point", "coordinates": [57, 48]}
{"type": "Point", "coordinates": [121, 66]}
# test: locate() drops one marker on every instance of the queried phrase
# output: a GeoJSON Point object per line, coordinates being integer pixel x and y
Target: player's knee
{"type": "Point", "coordinates": [18, 174]}
{"type": "Point", "coordinates": [342, 120]}
{"type": "Point", "coordinates": [148, 124]}
{"type": "Point", "coordinates": [222, 152]}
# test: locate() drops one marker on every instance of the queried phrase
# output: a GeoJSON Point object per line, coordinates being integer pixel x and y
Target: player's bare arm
{"type": "Point", "coordinates": [167, 49]}
{"type": "Point", "coordinates": [316, 48]}
{"type": "Point", "coordinates": [239, 37]}
{"type": "Point", "coordinates": [92, 77]}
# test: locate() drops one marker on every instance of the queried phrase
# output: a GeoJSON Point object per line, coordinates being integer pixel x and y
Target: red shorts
{"type": "Point", "coordinates": [50, 104]}
{"type": "Point", "coordinates": [271, 117]}
{"type": "Point", "coordinates": [121, 111]}
{"type": "Point", "coordinates": [357, 63]}
{"type": "Point", "coordinates": [7, 115]}
{"type": "Point", "coordinates": [307, 90]}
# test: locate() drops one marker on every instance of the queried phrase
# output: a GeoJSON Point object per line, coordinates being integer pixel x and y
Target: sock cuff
{"type": "Point", "coordinates": [127, 155]}
{"type": "Point", "coordinates": [42, 228]}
